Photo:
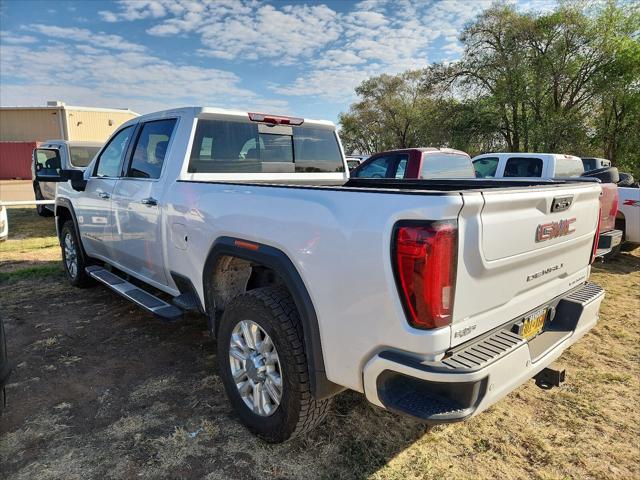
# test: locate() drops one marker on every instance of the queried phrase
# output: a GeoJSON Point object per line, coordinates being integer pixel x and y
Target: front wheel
{"type": "Point", "coordinates": [72, 258]}
{"type": "Point", "coordinates": [263, 365]}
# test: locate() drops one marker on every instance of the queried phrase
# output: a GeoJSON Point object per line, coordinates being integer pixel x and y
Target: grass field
{"type": "Point", "coordinates": [102, 390]}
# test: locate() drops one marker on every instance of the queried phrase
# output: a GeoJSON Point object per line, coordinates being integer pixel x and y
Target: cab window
{"type": "Point", "coordinates": [376, 168]}
{"type": "Point", "coordinates": [110, 160]}
{"type": "Point", "coordinates": [486, 167]}
{"type": "Point", "coordinates": [151, 149]}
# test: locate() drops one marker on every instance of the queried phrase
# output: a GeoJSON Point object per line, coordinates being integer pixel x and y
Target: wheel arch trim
{"type": "Point", "coordinates": [280, 263]}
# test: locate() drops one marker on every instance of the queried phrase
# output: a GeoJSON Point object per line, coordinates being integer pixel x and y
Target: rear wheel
{"type": "Point", "coordinates": [263, 365]}
{"type": "Point", "coordinates": [41, 209]}
{"type": "Point", "coordinates": [72, 257]}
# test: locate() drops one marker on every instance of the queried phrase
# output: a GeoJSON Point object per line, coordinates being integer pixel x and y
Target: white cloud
{"type": "Point", "coordinates": [7, 37]}
{"type": "Point", "coordinates": [328, 51]}
{"type": "Point", "coordinates": [105, 78]}
{"type": "Point", "coordinates": [78, 35]}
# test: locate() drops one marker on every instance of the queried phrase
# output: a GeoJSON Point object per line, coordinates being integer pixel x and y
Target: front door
{"type": "Point", "coordinates": [137, 207]}
{"type": "Point", "coordinates": [93, 207]}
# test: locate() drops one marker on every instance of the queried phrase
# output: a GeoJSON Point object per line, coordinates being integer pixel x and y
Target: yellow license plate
{"type": "Point", "coordinates": [533, 324]}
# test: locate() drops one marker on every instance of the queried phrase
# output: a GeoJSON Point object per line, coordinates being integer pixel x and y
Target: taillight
{"type": "Point", "coordinates": [425, 258]}
{"type": "Point", "coordinates": [596, 238]}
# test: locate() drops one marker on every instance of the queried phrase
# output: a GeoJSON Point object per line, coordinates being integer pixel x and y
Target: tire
{"type": "Point", "coordinates": [626, 180]}
{"type": "Point", "coordinates": [273, 311]}
{"type": "Point", "coordinates": [41, 209]}
{"type": "Point", "coordinates": [606, 175]}
{"type": "Point", "coordinates": [73, 259]}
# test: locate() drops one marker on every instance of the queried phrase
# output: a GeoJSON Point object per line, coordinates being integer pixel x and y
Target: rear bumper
{"type": "Point", "coordinates": [608, 241]}
{"type": "Point", "coordinates": [478, 374]}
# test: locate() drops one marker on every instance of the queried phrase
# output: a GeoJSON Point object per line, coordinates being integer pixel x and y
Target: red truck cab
{"type": "Point", "coordinates": [421, 163]}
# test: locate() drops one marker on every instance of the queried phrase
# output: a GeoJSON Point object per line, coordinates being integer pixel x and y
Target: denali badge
{"type": "Point", "coordinates": [547, 231]}
{"type": "Point", "coordinates": [539, 274]}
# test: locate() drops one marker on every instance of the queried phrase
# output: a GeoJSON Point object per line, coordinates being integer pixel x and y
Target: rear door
{"type": "Point", "coordinates": [93, 207]}
{"type": "Point", "coordinates": [136, 203]}
{"type": "Point", "coordinates": [519, 248]}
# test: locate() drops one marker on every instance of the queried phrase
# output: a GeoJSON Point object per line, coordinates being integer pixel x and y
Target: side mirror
{"type": "Point", "coordinates": [76, 177]}
{"type": "Point", "coordinates": [46, 163]}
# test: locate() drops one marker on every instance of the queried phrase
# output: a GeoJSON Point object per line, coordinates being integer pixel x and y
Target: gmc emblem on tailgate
{"type": "Point", "coordinates": [547, 231]}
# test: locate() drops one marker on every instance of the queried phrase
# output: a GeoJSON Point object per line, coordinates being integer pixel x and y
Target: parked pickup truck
{"type": "Point", "coordinates": [435, 298]}
{"type": "Point", "coordinates": [555, 165]}
{"type": "Point", "coordinates": [628, 218]}
{"type": "Point", "coordinates": [423, 163]}
{"type": "Point", "coordinates": [51, 157]}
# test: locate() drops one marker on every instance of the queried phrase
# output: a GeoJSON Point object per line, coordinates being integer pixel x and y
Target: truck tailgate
{"type": "Point", "coordinates": [515, 253]}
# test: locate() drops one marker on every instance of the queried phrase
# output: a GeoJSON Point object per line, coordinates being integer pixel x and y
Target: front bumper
{"type": "Point", "coordinates": [479, 373]}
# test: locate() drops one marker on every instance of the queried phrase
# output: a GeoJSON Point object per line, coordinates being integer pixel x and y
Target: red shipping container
{"type": "Point", "coordinates": [15, 160]}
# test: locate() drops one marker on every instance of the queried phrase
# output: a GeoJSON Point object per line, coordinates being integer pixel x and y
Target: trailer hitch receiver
{"type": "Point", "coordinates": [549, 378]}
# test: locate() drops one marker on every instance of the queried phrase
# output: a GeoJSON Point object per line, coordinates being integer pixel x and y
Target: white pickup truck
{"type": "Point", "coordinates": [435, 298]}
{"type": "Point", "coordinates": [56, 155]}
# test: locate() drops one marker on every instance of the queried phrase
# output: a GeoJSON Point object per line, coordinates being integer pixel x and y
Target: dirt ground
{"type": "Point", "coordinates": [102, 390]}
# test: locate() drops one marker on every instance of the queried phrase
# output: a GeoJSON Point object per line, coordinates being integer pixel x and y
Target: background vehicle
{"type": "Point", "coordinates": [5, 367]}
{"type": "Point", "coordinates": [53, 156]}
{"type": "Point", "coordinates": [459, 290]}
{"type": "Point", "coordinates": [527, 165]}
{"type": "Point", "coordinates": [593, 163]}
{"type": "Point", "coordinates": [354, 161]}
{"type": "Point", "coordinates": [628, 218]}
{"type": "Point", "coordinates": [419, 163]}
{"type": "Point", "coordinates": [555, 165]}
{"type": "Point", "coordinates": [4, 223]}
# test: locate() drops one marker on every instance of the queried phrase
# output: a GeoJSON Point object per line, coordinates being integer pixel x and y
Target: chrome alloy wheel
{"type": "Point", "coordinates": [70, 255]}
{"type": "Point", "coordinates": [255, 368]}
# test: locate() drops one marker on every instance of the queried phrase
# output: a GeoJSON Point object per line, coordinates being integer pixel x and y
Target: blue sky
{"type": "Point", "coordinates": [291, 57]}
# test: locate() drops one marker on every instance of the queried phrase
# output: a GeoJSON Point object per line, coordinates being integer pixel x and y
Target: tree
{"type": "Point", "coordinates": [566, 81]}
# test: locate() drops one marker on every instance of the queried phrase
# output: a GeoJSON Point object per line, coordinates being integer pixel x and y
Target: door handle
{"type": "Point", "coordinates": [149, 201]}
{"type": "Point", "coordinates": [104, 195]}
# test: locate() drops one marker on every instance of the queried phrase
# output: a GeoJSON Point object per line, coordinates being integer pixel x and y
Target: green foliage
{"type": "Point", "coordinates": [567, 81]}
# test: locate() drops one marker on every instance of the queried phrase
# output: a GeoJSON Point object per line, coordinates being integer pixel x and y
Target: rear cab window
{"type": "Point", "coordinates": [446, 165]}
{"type": "Point", "coordinates": [523, 167]}
{"type": "Point", "coordinates": [568, 166]}
{"type": "Point", "coordinates": [236, 146]}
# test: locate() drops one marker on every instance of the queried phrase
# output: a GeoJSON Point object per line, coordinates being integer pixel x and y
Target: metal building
{"type": "Point", "coordinates": [22, 127]}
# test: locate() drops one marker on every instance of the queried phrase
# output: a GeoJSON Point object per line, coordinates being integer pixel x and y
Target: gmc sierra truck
{"type": "Point", "coordinates": [435, 298]}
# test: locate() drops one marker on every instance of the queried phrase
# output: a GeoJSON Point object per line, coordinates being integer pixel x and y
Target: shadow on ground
{"type": "Point", "coordinates": [103, 390]}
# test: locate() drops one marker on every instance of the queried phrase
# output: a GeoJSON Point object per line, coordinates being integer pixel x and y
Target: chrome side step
{"type": "Point", "coordinates": [146, 300]}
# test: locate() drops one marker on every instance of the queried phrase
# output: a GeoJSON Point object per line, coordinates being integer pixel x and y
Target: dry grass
{"type": "Point", "coordinates": [102, 390]}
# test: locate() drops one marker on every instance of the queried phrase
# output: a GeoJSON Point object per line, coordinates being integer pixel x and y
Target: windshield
{"type": "Point", "coordinates": [81, 156]}
{"type": "Point", "coordinates": [222, 146]}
